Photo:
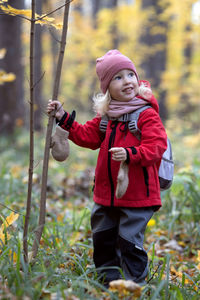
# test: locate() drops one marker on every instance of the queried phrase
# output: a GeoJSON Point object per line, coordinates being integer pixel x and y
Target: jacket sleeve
{"type": "Point", "coordinates": [153, 140]}
{"type": "Point", "coordinates": [85, 135]}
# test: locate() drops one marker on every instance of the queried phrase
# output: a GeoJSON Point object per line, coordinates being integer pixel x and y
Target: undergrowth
{"type": "Point", "coordinates": [64, 266]}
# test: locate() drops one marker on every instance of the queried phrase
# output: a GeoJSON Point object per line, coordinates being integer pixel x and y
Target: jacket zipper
{"type": "Point", "coordinates": [110, 144]}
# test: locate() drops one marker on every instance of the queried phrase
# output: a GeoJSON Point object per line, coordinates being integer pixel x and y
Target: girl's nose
{"type": "Point", "coordinates": [127, 79]}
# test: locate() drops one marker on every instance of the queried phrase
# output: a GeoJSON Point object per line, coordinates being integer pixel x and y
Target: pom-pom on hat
{"type": "Point", "coordinates": [110, 64]}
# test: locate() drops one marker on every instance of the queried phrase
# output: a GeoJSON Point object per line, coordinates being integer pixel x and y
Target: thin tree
{"type": "Point", "coordinates": [41, 222]}
{"type": "Point", "coordinates": [31, 145]}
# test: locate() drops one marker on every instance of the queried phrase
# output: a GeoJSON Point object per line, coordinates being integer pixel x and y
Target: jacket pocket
{"type": "Point", "coordinates": [146, 179]}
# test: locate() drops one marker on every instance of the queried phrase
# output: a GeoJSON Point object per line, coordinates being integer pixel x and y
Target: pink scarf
{"type": "Point", "coordinates": [118, 108]}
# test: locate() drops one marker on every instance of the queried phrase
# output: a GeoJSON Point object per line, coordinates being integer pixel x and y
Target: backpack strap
{"type": "Point", "coordinates": [103, 123]}
{"type": "Point", "coordinates": [134, 116]}
{"type": "Point", "coordinates": [131, 118]}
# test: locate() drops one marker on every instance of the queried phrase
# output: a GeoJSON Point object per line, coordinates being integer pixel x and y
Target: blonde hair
{"type": "Point", "coordinates": [101, 101]}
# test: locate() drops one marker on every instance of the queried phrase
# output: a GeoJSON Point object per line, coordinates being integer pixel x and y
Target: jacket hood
{"type": "Point", "coordinates": [152, 101]}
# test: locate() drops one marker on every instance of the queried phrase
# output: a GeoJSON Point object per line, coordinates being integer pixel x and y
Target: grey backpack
{"type": "Point", "coordinates": [166, 169]}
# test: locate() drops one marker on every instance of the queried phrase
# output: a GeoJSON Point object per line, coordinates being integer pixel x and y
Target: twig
{"type": "Point", "coordinates": [53, 11]}
{"type": "Point", "coordinates": [15, 15]}
{"type": "Point", "coordinates": [39, 80]}
{"type": "Point", "coordinates": [16, 212]}
{"type": "Point", "coordinates": [53, 36]}
{"type": "Point", "coordinates": [153, 274]}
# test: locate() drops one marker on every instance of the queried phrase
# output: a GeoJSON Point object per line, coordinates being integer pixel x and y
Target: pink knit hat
{"type": "Point", "coordinates": [110, 64]}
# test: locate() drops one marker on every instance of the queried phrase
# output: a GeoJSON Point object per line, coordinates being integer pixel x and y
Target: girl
{"type": "Point", "coordinates": [124, 162]}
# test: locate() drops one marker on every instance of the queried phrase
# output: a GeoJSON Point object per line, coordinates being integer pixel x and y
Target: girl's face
{"type": "Point", "coordinates": [123, 86]}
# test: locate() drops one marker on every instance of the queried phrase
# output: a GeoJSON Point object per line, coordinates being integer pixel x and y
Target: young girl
{"type": "Point", "coordinates": [119, 220]}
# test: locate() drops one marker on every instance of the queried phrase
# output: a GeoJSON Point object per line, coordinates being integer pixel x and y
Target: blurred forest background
{"type": "Point", "coordinates": [161, 37]}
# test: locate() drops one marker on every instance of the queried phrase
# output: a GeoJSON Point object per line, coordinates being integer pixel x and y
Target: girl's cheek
{"type": "Point", "coordinates": [136, 89]}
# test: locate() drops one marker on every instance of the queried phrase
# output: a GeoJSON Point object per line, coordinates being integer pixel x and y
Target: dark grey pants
{"type": "Point", "coordinates": [118, 235]}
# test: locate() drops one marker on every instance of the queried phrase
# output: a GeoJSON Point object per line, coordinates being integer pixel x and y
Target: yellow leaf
{"type": "Point", "coordinates": [15, 171]}
{"type": "Point", "coordinates": [6, 77]}
{"type": "Point", "coordinates": [124, 286]}
{"type": "Point", "coordinates": [35, 178]}
{"type": "Point", "coordinates": [161, 232]}
{"type": "Point", "coordinates": [176, 273]}
{"type": "Point", "coordinates": [182, 243]}
{"type": "Point", "coordinates": [13, 255]}
{"type": "Point", "coordinates": [198, 255]}
{"type": "Point", "coordinates": [11, 219]}
{"type": "Point", "coordinates": [46, 19]}
{"type": "Point", "coordinates": [151, 223]}
{"type": "Point", "coordinates": [14, 11]}
{"type": "Point", "coordinates": [4, 237]}
{"type": "Point", "coordinates": [2, 53]}
{"type": "Point", "coordinates": [39, 19]}
{"type": "Point", "coordinates": [58, 26]}
{"type": "Point", "coordinates": [75, 237]}
{"type": "Point", "coordinates": [60, 217]}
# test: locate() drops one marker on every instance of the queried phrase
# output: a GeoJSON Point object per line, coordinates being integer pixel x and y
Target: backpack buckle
{"type": "Point", "coordinates": [103, 125]}
{"type": "Point", "coordinates": [132, 126]}
{"type": "Point", "coordinates": [125, 117]}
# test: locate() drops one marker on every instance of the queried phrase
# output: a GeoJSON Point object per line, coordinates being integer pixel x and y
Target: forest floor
{"type": "Point", "coordinates": [64, 266]}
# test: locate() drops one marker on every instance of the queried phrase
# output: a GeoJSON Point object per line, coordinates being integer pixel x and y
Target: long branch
{"type": "Point", "coordinates": [38, 18]}
{"type": "Point", "coordinates": [39, 230]}
{"type": "Point", "coordinates": [53, 11]}
{"type": "Point", "coordinates": [31, 146]}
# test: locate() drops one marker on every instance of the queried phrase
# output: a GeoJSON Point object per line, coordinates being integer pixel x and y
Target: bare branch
{"type": "Point", "coordinates": [53, 36]}
{"type": "Point", "coordinates": [15, 211]}
{"type": "Point", "coordinates": [53, 11]}
{"type": "Point", "coordinates": [15, 15]}
{"type": "Point", "coordinates": [36, 83]}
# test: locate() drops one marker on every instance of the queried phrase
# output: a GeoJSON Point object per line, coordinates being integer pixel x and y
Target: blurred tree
{"type": "Point", "coordinates": [78, 6]}
{"type": "Point", "coordinates": [38, 71]}
{"type": "Point", "coordinates": [12, 108]}
{"type": "Point", "coordinates": [157, 35]}
{"type": "Point", "coordinates": [154, 39]}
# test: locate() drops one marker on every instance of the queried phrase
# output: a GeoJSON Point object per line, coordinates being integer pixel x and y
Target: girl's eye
{"type": "Point", "coordinates": [131, 74]}
{"type": "Point", "coordinates": [117, 77]}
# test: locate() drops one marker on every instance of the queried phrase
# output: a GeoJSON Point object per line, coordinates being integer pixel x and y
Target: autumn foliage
{"type": "Point", "coordinates": [64, 268]}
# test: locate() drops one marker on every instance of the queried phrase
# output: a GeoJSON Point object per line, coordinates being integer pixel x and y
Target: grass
{"type": "Point", "coordinates": [64, 267]}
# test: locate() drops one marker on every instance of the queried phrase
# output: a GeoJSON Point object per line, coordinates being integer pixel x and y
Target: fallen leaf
{"type": "Point", "coordinates": [123, 286]}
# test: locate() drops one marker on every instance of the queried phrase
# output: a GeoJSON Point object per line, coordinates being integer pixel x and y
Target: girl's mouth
{"type": "Point", "coordinates": [128, 90]}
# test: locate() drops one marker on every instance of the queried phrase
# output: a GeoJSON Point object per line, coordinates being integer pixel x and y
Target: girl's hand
{"type": "Point", "coordinates": [118, 153]}
{"type": "Point", "coordinates": [57, 106]}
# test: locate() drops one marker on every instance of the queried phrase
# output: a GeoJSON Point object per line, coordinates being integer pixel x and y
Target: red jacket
{"type": "Point", "coordinates": [144, 157]}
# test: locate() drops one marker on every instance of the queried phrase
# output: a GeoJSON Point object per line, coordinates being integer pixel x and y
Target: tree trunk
{"type": "Point", "coordinates": [154, 62]}
{"type": "Point", "coordinates": [12, 106]}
